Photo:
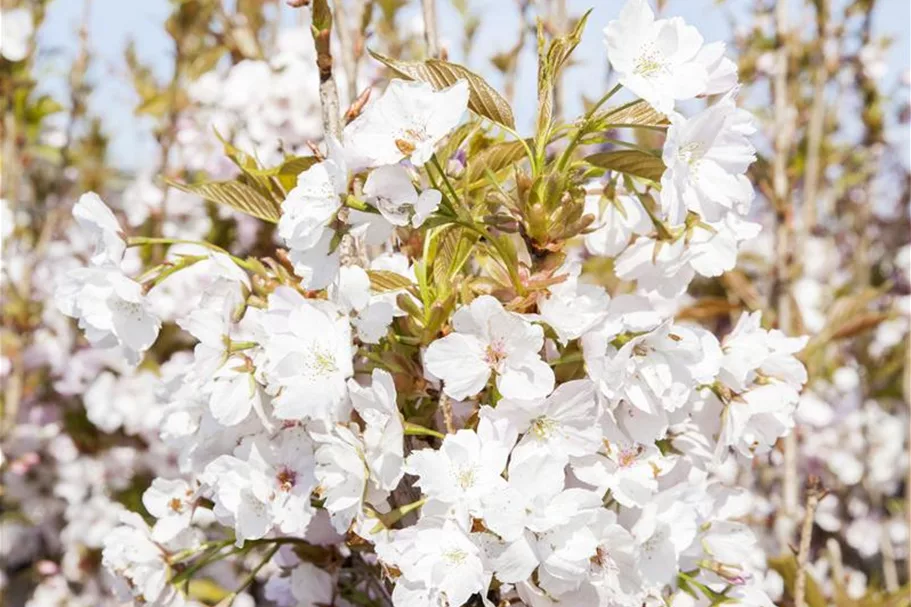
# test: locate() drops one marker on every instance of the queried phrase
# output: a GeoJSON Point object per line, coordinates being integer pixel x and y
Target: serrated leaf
{"type": "Point", "coordinates": [551, 59]}
{"type": "Point", "coordinates": [637, 114]}
{"type": "Point", "coordinates": [495, 158]}
{"type": "Point", "coordinates": [483, 99]}
{"type": "Point", "coordinates": [384, 280]}
{"type": "Point", "coordinates": [286, 173]}
{"type": "Point", "coordinates": [239, 196]}
{"type": "Point", "coordinates": [630, 162]}
{"type": "Point", "coordinates": [453, 250]}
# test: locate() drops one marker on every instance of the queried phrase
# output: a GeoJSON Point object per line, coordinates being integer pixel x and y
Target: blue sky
{"type": "Point", "coordinates": [114, 22]}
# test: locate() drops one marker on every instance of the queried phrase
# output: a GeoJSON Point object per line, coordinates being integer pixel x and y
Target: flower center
{"type": "Point", "coordinates": [410, 139]}
{"type": "Point", "coordinates": [495, 353]}
{"type": "Point", "coordinates": [322, 362]}
{"type": "Point", "coordinates": [650, 63]}
{"type": "Point", "coordinates": [129, 308]}
{"type": "Point", "coordinates": [544, 426]}
{"type": "Point", "coordinates": [286, 479]}
{"type": "Point", "coordinates": [176, 505]}
{"type": "Point", "coordinates": [455, 556]}
{"type": "Point", "coordinates": [466, 477]}
{"type": "Point", "coordinates": [691, 153]}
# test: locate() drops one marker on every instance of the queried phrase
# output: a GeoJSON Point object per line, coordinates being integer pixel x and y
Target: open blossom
{"type": "Point", "coordinates": [440, 565]}
{"type": "Point", "coordinates": [574, 307]}
{"type": "Point", "coordinates": [342, 475]}
{"type": "Point", "coordinates": [616, 221]}
{"type": "Point", "coordinates": [407, 121]}
{"type": "Point", "coordinates": [654, 372]}
{"type": "Point", "coordinates": [308, 354]}
{"type": "Point", "coordinates": [471, 464]}
{"type": "Point", "coordinates": [308, 210]}
{"type": "Point", "coordinates": [111, 309]}
{"type": "Point", "coordinates": [99, 222]}
{"type": "Point", "coordinates": [390, 190]}
{"type": "Point", "coordinates": [265, 485]}
{"type": "Point", "coordinates": [384, 434]}
{"type": "Point", "coordinates": [707, 157]}
{"type": "Point", "coordinates": [664, 60]}
{"type": "Point", "coordinates": [139, 564]}
{"type": "Point", "coordinates": [171, 502]}
{"type": "Point", "coordinates": [487, 340]}
{"type": "Point", "coordinates": [561, 424]}
{"type": "Point", "coordinates": [370, 314]}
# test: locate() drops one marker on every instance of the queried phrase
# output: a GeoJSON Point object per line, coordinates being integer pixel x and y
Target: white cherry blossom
{"type": "Point", "coordinates": [407, 121]}
{"type": "Point", "coordinates": [490, 340]}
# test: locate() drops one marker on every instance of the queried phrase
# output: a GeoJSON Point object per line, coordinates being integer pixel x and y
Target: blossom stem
{"type": "Point", "coordinates": [391, 518]}
{"type": "Point", "coordinates": [416, 430]}
{"type": "Point", "coordinates": [632, 146]}
{"type": "Point", "coordinates": [436, 163]}
{"type": "Point", "coordinates": [496, 244]}
{"type": "Point", "coordinates": [583, 128]}
{"type": "Point", "coordinates": [358, 205]}
{"type": "Point", "coordinates": [139, 241]}
{"type": "Point", "coordinates": [528, 152]}
{"type": "Point", "coordinates": [227, 601]}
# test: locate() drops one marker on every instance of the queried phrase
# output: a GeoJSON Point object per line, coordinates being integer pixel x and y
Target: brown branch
{"type": "Point", "coordinates": [431, 36]}
{"type": "Point", "coordinates": [815, 492]}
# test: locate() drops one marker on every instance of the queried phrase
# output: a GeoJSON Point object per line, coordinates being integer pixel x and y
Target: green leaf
{"type": "Point", "coordinates": [239, 196]}
{"type": "Point", "coordinates": [453, 250]}
{"type": "Point", "coordinates": [383, 281]}
{"type": "Point", "coordinates": [495, 158]}
{"type": "Point", "coordinates": [637, 114]}
{"type": "Point", "coordinates": [292, 166]}
{"type": "Point", "coordinates": [630, 162]}
{"type": "Point", "coordinates": [269, 184]}
{"type": "Point", "coordinates": [551, 59]}
{"type": "Point", "coordinates": [483, 99]}
{"type": "Point", "coordinates": [287, 171]}
{"type": "Point", "coordinates": [786, 566]}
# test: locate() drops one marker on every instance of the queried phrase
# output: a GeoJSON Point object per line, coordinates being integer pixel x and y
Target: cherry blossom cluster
{"type": "Point", "coordinates": [347, 419]}
{"type": "Point", "coordinates": [555, 449]}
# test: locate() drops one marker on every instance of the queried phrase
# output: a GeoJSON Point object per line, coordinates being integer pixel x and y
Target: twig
{"type": "Point", "coordinates": [446, 410]}
{"type": "Point", "coordinates": [349, 58]}
{"type": "Point", "coordinates": [431, 36]}
{"type": "Point", "coordinates": [890, 571]}
{"type": "Point", "coordinates": [328, 92]}
{"type": "Point", "coordinates": [816, 123]}
{"type": "Point", "coordinates": [814, 493]}
{"type": "Point", "coordinates": [784, 236]}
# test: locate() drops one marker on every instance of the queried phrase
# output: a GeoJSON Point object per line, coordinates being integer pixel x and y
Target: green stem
{"type": "Point", "coordinates": [583, 129]}
{"type": "Point", "coordinates": [358, 205]}
{"type": "Point", "coordinates": [504, 255]}
{"type": "Point", "coordinates": [528, 152]}
{"type": "Point", "coordinates": [416, 430]}
{"type": "Point", "coordinates": [227, 601]}
{"type": "Point", "coordinates": [391, 518]}
{"type": "Point", "coordinates": [632, 146]}
{"type": "Point", "coordinates": [436, 163]}
{"type": "Point", "coordinates": [139, 241]}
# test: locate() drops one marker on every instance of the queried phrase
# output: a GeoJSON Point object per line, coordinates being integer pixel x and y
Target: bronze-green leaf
{"type": "Point", "coordinates": [384, 280]}
{"type": "Point", "coordinates": [483, 99]}
{"type": "Point", "coordinates": [238, 196]}
{"type": "Point", "coordinates": [630, 162]}
{"type": "Point", "coordinates": [495, 158]}
{"type": "Point", "coordinates": [634, 114]}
